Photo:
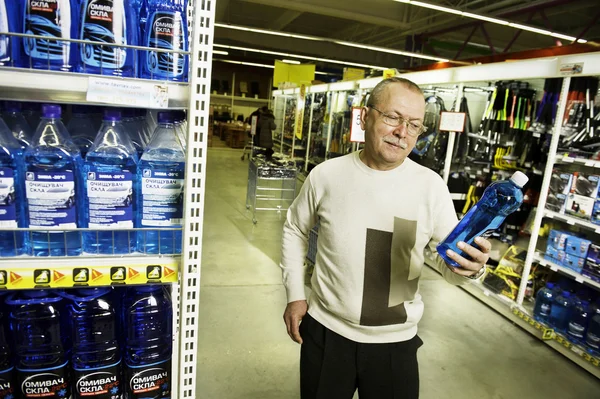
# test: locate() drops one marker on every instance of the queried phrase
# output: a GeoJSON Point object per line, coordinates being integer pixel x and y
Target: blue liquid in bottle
{"type": "Point", "coordinates": [161, 179]}
{"type": "Point", "coordinates": [561, 312]}
{"type": "Point", "coordinates": [147, 315]}
{"type": "Point", "coordinates": [7, 369]}
{"type": "Point", "coordinates": [166, 29]}
{"type": "Point", "coordinates": [41, 341]}
{"type": "Point", "coordinates": [53, 19]}
{"type": "Point", "coordinates": [543, 303]}
{"type": "Point", "coordinates": [53, 187]}
{"type": "Point", "coordinates": [9, 22]}
{"type": "Point", "coordinates": [81, 128]}
{"type": "Point", "coordinates": [134, 127]}
{"type": "Point", "coordinates": [499, 200]}
{"type": "Point", "coordinates": [108, 21]}
{"type": "Point", "coordinates": [96, 356]}
{"type": "Point", "coordinates": [12, 194]}
{"type": "Point", "coordinates": [109, 175]}
{"type": "Point", "coordinates": [578, 322]}
{"type": "Point", "coordinates": [592, 338]}
{"type": "Point", "coordinates": [14, 118]}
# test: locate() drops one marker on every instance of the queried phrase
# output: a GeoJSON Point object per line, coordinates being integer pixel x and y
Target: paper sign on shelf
{"type": "Point", "coordinates": [130, 93]}
{"type": "Point", "coordinates": [570, 69]}
{"type": "Point", "coordinates": [357, 134]}
{"type": "Point", "coordinates": [452, 122]}
{"type": "Point", "coordinates": [89, 276]}
{"type": "Point", "coordinates": [254, 123]}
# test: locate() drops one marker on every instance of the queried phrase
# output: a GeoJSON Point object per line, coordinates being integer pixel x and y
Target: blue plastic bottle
{"type": "Point", "coordinates": [14, 118]}
{"type": "Point", "coordinates": [53, 187]}
{"type": "Point", "coordinates": [161, 178]}
{"type": "Point", "coordinates": [543, 303]}
{"type": "Point", "coordinates": [54, 19]}
{"type": "Point", "coordinates": [109, 175]}
{"type": "Point", "coordinates": [499, 200]}
{"type": "Point", "coordinates": [592, 338]}
{"type": "Point", "coordinates": [7, 369]}
{"type": "Point", "coordinates": [96, 356]}
{"type": "Point", "coordinates": [181, 128]}
{"type": "Point", "coordinates": [134, 127]}
{"type": "Point", "coordinates": [165, 28]}
{"type": "Point", "coordinates": [561, 312]}
{"type": "Point", "coordinates": [147, 317]}
{"type": "Point", "coordinates": [41, 344]}
{"type": "Point", "coordinates": [32, 113]}
{"type": "Point", "coordinates": [578, 322]}
{"type": "Point", "coordinates": [9, 22]}
{"type": "Point", "coordinates": [108, 21]}
{"type": "Point", "coordinates": [12, 194]}
{"type": "Point", "coordinates": [81, 127]}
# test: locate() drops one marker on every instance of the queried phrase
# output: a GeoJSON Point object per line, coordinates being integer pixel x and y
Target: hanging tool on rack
{"type": "Point", "coordinates": [428, 151]}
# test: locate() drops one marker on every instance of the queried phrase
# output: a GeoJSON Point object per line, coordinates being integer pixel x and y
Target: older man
{"type": "Point", "coordinates": [378, 210]}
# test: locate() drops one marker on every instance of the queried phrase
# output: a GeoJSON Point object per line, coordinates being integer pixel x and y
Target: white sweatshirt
{"type": "Point", "coordinates": [374, 226]}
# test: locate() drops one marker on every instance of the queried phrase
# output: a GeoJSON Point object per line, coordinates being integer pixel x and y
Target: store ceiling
{"type": "Point", "coordinates": [396, 25]}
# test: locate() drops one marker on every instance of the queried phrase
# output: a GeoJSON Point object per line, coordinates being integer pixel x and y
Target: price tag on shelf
{"type": "Point", "coordinates": [547, 334]}
{"type": "Point", "coordinates": [486, 293]}
{"type": "Point", "coordinates": [553, 268]}
{"type": "Point", "coordinates": [537, 135]}
{"type": "Point", "coordinates": [452, 122]}
{"type": "Point", "coordinates": [579, 279]}
{"type": "Point", "coordinates": [131, 93]}
{"type": "Point", "coordinates": [595, 362]}
{"type": "Point", "coordinates": [486, 170]}
{"type": "Point", "coordinates": [568, 159]}
{"type": "Point", "coordinates": [577, 350]}
{"type": "Point", "coordinates": [570, 221]}
{"type": "Point", "coordinates": [590, 163]}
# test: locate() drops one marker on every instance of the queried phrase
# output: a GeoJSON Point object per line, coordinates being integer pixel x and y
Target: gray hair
{"type": "Point", "coordinates": [381, 86]}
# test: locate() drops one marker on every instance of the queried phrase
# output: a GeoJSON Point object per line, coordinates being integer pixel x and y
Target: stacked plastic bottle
{"type": "Point", "coordinates": [100, 342]}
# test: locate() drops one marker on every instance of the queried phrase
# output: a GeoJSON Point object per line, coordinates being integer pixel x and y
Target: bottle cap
{"type": "Point", "coordinates": [566, 294]}
{"type": "Point", "coordinates": [112, 115]}
{"type": "Point", "coordinates": [12, 106]}
{"type": "Point", "coordinates": [51, 111]}
{"type": "Point", "coordinates": [519, 178]}
{"type": "Point", "coordinates": [165, 117]}
{"type": "Point", "coordinates": [550, 285]}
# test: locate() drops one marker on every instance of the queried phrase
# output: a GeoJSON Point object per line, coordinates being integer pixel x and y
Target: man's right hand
{"type": "Point", "coordinates": [293, 315]}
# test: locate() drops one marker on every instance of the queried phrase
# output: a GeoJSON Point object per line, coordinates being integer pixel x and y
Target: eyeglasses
{"type": "Point", "coordinates": [412, 127]}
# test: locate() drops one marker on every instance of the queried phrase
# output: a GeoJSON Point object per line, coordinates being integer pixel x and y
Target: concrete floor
{"type": "Point", "coordinates": [244, 352]}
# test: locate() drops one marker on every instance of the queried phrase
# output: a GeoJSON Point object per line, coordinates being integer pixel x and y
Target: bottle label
{"type": "Point", "coordinates": [149, 382]}
{"type": "Point", "coordinates": [8, 209]}
{"type": "Point", "coordinates": [101, 383]}
{"type": "Point", "coordinates": [51, 199]}
{"type": "Point", "coordinates": [6, 384]}
{"type": "Point", "coordinates": [47, 383]}
{"type": "Point", "coordinates": [110, 198]}
{"type": "Point", "coordinates": [576, 330]}
{"type": "Point", "coordinates": [166, 33]}
{"type": "Point", "coordinates": [44, 17]}
{"type": "Point", "coordinates": [162, 197]}
{"type": "Point", "coordinates": [100, 24]}
{"type": "Point", "coordinates": [593, 341]}
{"type": "Point", "coordinates": [545, 309]}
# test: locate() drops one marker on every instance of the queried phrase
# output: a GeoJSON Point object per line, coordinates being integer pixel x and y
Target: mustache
{"type": "Point", "coordinates": [400, 143]}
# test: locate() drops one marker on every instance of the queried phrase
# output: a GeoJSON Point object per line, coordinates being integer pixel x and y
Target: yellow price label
{"type": "Point", "coordinates": [547, 334]}
{"type": "Point", "coordinates": [595, 362]}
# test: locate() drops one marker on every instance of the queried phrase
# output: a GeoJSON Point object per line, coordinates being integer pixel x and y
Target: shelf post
{"type": "Point", "coordinates": [312, 102]}
{"type": "Point", "coordinates": [539, 214]}
{"type": "Point", "coordinates": [452, 136]}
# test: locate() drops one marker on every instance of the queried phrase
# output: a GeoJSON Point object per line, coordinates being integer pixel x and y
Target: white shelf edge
{"type": "Point", "coordinates": [87, 261]}
{"type": "Point", "coordinates": [563, 159]}
{"type": "Point", "coordinates": [70, 87]}
{"type": "Point", "coordinates": [572, 220]}
{"type": "Point", "coordinates": [580, 278]}
{"type": "Point", "coordinates": [240, 99]}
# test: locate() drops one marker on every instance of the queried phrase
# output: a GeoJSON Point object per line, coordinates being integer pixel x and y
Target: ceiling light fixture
{"type": "Point", "coordinates": [492, 20]}
{"type": "Point", "coordinates": [328, 40]}
{"type": "Point", "coordinates": [304, 57]}
{"type": "Point", "coordinates": [291, 62]}
{"type": "Point", "coordinates": [220, 52]}
{"type": "Point", "coordinates": [244, 63]}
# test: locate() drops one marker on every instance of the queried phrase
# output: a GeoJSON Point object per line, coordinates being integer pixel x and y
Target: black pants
{"type": "Point", "coordinates": [333, 367]}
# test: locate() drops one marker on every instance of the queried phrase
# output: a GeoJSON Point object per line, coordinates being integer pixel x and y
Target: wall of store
{"type": "Point", "coordinates": [223, 72]}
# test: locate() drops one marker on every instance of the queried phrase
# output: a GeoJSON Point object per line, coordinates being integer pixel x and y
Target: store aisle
{"type": "Point", "coordinates": [244, 352]}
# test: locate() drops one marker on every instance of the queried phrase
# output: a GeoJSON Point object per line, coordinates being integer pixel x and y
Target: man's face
{"type": "Point", "coordinates": [386, 147]}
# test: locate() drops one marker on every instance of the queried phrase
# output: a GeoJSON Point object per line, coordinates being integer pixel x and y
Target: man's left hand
{"type": "Point", "coordinates": [479, 255]}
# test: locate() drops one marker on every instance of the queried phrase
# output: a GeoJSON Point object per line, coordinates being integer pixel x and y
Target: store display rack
{"type": "Point", "coordinates": [181, 271]}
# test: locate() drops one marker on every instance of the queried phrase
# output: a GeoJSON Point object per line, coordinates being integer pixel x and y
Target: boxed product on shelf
{"type": "Point", "coordinates": [593, 254]}
{"type": "Point", "coordinates": [579, 206]}
{"type": "Point", "coordinates": [556, 202]}
{"type": "Point", "coordinates": [558, 239]}
{"type": "Point", "coordinates": [573, 262]}
{"type": "Point", "coordinates": [577, 246]}
{"type": "Point", "coordinates": [591, 268]}
{"type": "Point", "coordinates": [559, 189]}
{"type": "Point", "coordinates": [596, 213]}
{"type": "Point", "coordinates": [585, 184]}
{"type": "Point", "coordinates": [555, 255]}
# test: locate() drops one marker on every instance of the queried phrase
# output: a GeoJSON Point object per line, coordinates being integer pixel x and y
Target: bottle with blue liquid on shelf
{"type": "Point", "coordinates": [561, 311]}
{"type": "Point", "coordinates": [81, 127]}
{"type": "Point", "coordinates": [14, 118]}
{"type": "Point", "coordinates": [113, 22]}
{"type": "Point", "coordinates": [53, 188]}
{"type": "Point", "coordinates": [10, 22]}
{"type": "Point", "coordinates": [7, 368]}
{"type": "Point", "coordinates": [109, 175]}
{"type": "Point", "coordinates": [134, 126]}
{"type": "Point", "coordinates": [41, 344]}
{"type": "Point", "coordinates": [160, 192]}
{"type": "Point", "coordinates": [147, 315]}
{"type": "Point", "coordinates": [165, 29]}
{"type": "Point", "coordinates": [12, 194]}
{"type": "Point", "coordinates": [56, 19]}
{"type": "Point", "coordinates": [96, 355]}
{"type": "Point", "coordinates": [499, 200]}
{"type": "Point", "coordinates": [592, 337]}
{"type": "Point", "coordinates": [578, 322]}
{"type": "Point", "coordinates": [543, 303]}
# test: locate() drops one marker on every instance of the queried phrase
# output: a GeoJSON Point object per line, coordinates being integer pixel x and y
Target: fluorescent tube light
{"type": "Point", "coordinates": [291, 62]}
{"type": "Point", "coordinates": [221, 52]}
{"type": "Point", "coordinates": [245, 63]}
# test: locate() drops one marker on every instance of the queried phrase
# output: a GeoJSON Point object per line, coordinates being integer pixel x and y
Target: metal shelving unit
{"type": "Point", "coordinates": [182, 271]}
{"type": "Point", "coordinates": [539, 258]}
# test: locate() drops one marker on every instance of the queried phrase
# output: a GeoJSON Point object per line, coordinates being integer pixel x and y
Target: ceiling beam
{"type": "Point", "coordinates": [286, 18]}
{"type": "Point", "coordinates": [222, 6]}
{"type": "Point", "coordinates": [316, 7]}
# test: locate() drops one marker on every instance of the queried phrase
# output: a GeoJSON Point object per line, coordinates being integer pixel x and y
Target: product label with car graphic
{"type": "Point", "coordinates": [110, 199]}
{"type": "Point", "coordinates": [8, 212]}
{"type": "Point", "coordinates": [51, 199]}
{"type": "Point", "coordinates": [103, 21]}
{"type": "Point", "coordinates": [162, 197]}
